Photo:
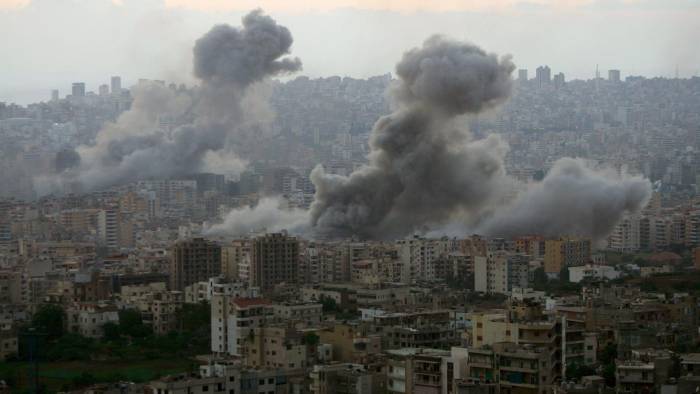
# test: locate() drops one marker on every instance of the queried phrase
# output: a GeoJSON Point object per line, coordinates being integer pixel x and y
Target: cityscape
{"type": "Point", "coordinates": [460, 224]}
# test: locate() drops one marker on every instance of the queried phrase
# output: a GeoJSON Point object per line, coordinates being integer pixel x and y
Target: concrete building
{"type": "Point", "coordinates": [625, 237]}
{"type": "Point", "coordinates": [88, 319]}
{"type": "Point", "coordinates": [565, 252]}
{"type": "Point", "coordinates": [192, 261]}
{"type": "Point", "coordinates": [500, 272]}
{"type": "Point", "coordinates": [233, 321]}
{"type": "Point", "coordinates": [592, 272]}
{"type": "Point", "coordinates": [346, 378]}
{"type": "Point", "coordinates": [157, 305]}
{"type": "Point", "coordinates": [274, 260]}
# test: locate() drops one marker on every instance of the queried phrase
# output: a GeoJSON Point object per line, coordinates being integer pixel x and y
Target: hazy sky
{"type": "Point", "coordinates": [47, 44]}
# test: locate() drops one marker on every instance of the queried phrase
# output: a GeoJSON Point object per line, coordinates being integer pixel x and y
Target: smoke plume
{"type": "Point", "coordinates": [142, 144]}
{"type": "Point", "coordinates": [426, 173]}
{"type": "Point", "coordinates": [571, 200]}
{"type": "Point", "coordinates": [267, 215]}
{"type": "Point", "coordinates": [423, 167]}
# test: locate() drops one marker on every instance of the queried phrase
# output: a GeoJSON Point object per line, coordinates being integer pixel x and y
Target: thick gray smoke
{"type": "Point", "coordinates": [141, 144]}
{"type": "Point", "coordinates": [425, 172]}
{"type": "Point", "coordinates": [423, 168]}
{"type": "Point", "coordinates": [571, 200]}
{"type": "Point", "coordinates": [267, 215]}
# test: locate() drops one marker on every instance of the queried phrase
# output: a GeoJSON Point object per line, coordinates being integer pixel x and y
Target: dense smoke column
{"type": "Point", "coordinates": [423, 168]}
{"type": "Point", "coordinates": [571, 200]}
{"type": "Point", "coordinates": [227, 60]}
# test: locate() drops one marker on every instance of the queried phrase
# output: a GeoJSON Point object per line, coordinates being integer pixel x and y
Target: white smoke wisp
{"type": "Point", "coordinates": [268, 215]}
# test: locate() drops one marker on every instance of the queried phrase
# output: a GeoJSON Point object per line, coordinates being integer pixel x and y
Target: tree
{"type": "Point", "coordinates": [540, 279]}
{"type": "Point", "coordinates": [564, 275]}
{"type": "Point", "coordinates": [131, 324]}
{"type": "Point", "coordinates": [329, 305]}
{"type": "Point", "coordinates": [609, 354]}
{"type": "Point", "coordinates": [310, 339]}
{"type": "Point", "coordinates": [49, 319]}
{"type": "Point", "coordinates": [112, 331]}
{"type": "Point", "coordinates": [575, 371]}
{"type": "Point", "coordinates": [609, 374]}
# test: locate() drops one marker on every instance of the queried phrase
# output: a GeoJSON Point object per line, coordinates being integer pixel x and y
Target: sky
{"type": "Point", "coordinates": [47, 44]}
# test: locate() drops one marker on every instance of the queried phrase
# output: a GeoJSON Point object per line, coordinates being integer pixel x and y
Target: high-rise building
{"type": "Point", "coordinates": [565, 252]}
{"type": "Point", "coordinates": [614, 75]}
{"type": "Point", "coordinates": [54, 95]}
{"type": "Point", "coordinates": [522, 75]}
{"type": "Point", "coordinates": [116, 84]}
{"type": "Point", "coordinates": [103, 90]}
{"type": "Point", "coordinates": [78, 89]}
{"type": "Point", "coordinates": [559, 80]}
{"type": "Point", "coordinates": [274, 260]}
{"type": "Point", "coordinates": [543, 75]}
{"type": "Point", "coordinates": [500, 272]}
{"type": "Point", "coordinates": [194, 260]}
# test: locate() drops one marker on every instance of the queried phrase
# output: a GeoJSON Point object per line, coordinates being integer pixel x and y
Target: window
{"type": "Point", "coordinates": [205, 388]}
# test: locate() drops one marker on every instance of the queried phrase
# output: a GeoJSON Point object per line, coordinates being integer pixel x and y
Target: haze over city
{"type": "Point", "coordinates": [349, 197]}
{"type": "Point", "coordinates": [151, 38]}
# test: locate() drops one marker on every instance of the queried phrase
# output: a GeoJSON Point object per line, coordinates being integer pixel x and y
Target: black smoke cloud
{"type": "Point", "coordinates": [228, 61]}
{"type": "Point", "coordinates": [423, 167]}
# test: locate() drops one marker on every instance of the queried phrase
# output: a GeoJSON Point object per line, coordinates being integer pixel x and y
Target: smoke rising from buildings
{"type": "Point", "coordinates": [141, 144]}
{"type": "Point", "coordinates": [425, 172]}
{"type": "Point", "coordinates": [571, 200]}
{"type": "Point", "coordinates": [267, 215]}
{"type": "Point", "coordinates": [423, 167]}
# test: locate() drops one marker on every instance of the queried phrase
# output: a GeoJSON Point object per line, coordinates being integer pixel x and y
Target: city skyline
{"type": "Point", "coordinates": [153, 40]}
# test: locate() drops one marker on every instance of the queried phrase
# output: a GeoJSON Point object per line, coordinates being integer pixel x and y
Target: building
{"type": "Point", "coordinates": [559, 80]}
{"type": "Point", "coordinates": [88, 319]}
{"type": "Point", "coordinates": [565, 252]}
{"type": "Point", "coordinates": [116, 84]}
{"type": "Point", "coordinates": [614, 76]}
{"type": "Point", "coordinates": [229, 377]}
{"type": "Point", "coordinates": [157, 305]}
{"type": "Point", "coordinates": [522, 75]}
{"type": "Point", "coordinates": [417, 370]}
{"type": "Point", "coordinates": [500, 272]}
{"type": "Point", "coordinates": [626, 236]}
{"type": "Point", "coordinates": [592, 272]}
{"type": "Point", "coordinates": [233, 321]}
{"type": "Point", "coordinates": [346, 378]}
{"type": "Point", "coordinates": [192, 261]}
{"type": "Point", "coordinates": [274, 260]}
{"type": "Point", "coordinates": [78, 89]}
{"type": "Point", "coordinates": [543, 75]}
{"type": "Point", "coordinates": [235, 260]}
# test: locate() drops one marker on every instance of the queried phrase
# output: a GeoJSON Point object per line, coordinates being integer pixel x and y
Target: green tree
{"type": "Point", "coordinates": [131, 324]}
{"type": "Point", "coordinates": [310, 339]}
{"type": "Point", "coordinates": [112, 331]}
{"type": "Point", "coordinates": [49, 319]}
{"type": "Point", "coordinates": [540, 279]}
{"type": "Point", "coordinates": [564, 275]}
{"type": "Point", "coordinates": [609, 354]}
{"type": "Point", "coordinates": [329, 305]}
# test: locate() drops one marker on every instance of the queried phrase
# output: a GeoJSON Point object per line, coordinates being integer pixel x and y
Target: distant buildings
{"type": "Point", "coordinates": [116, 84]}
{"type": "Point", "coordinates": [78, 89]}
{"type": "Point", "coordinates": [543, 76]}
{"type": "Point", "coordinates": [614, 76]}
{"type": "Point", "coordinates": [522, 75]}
